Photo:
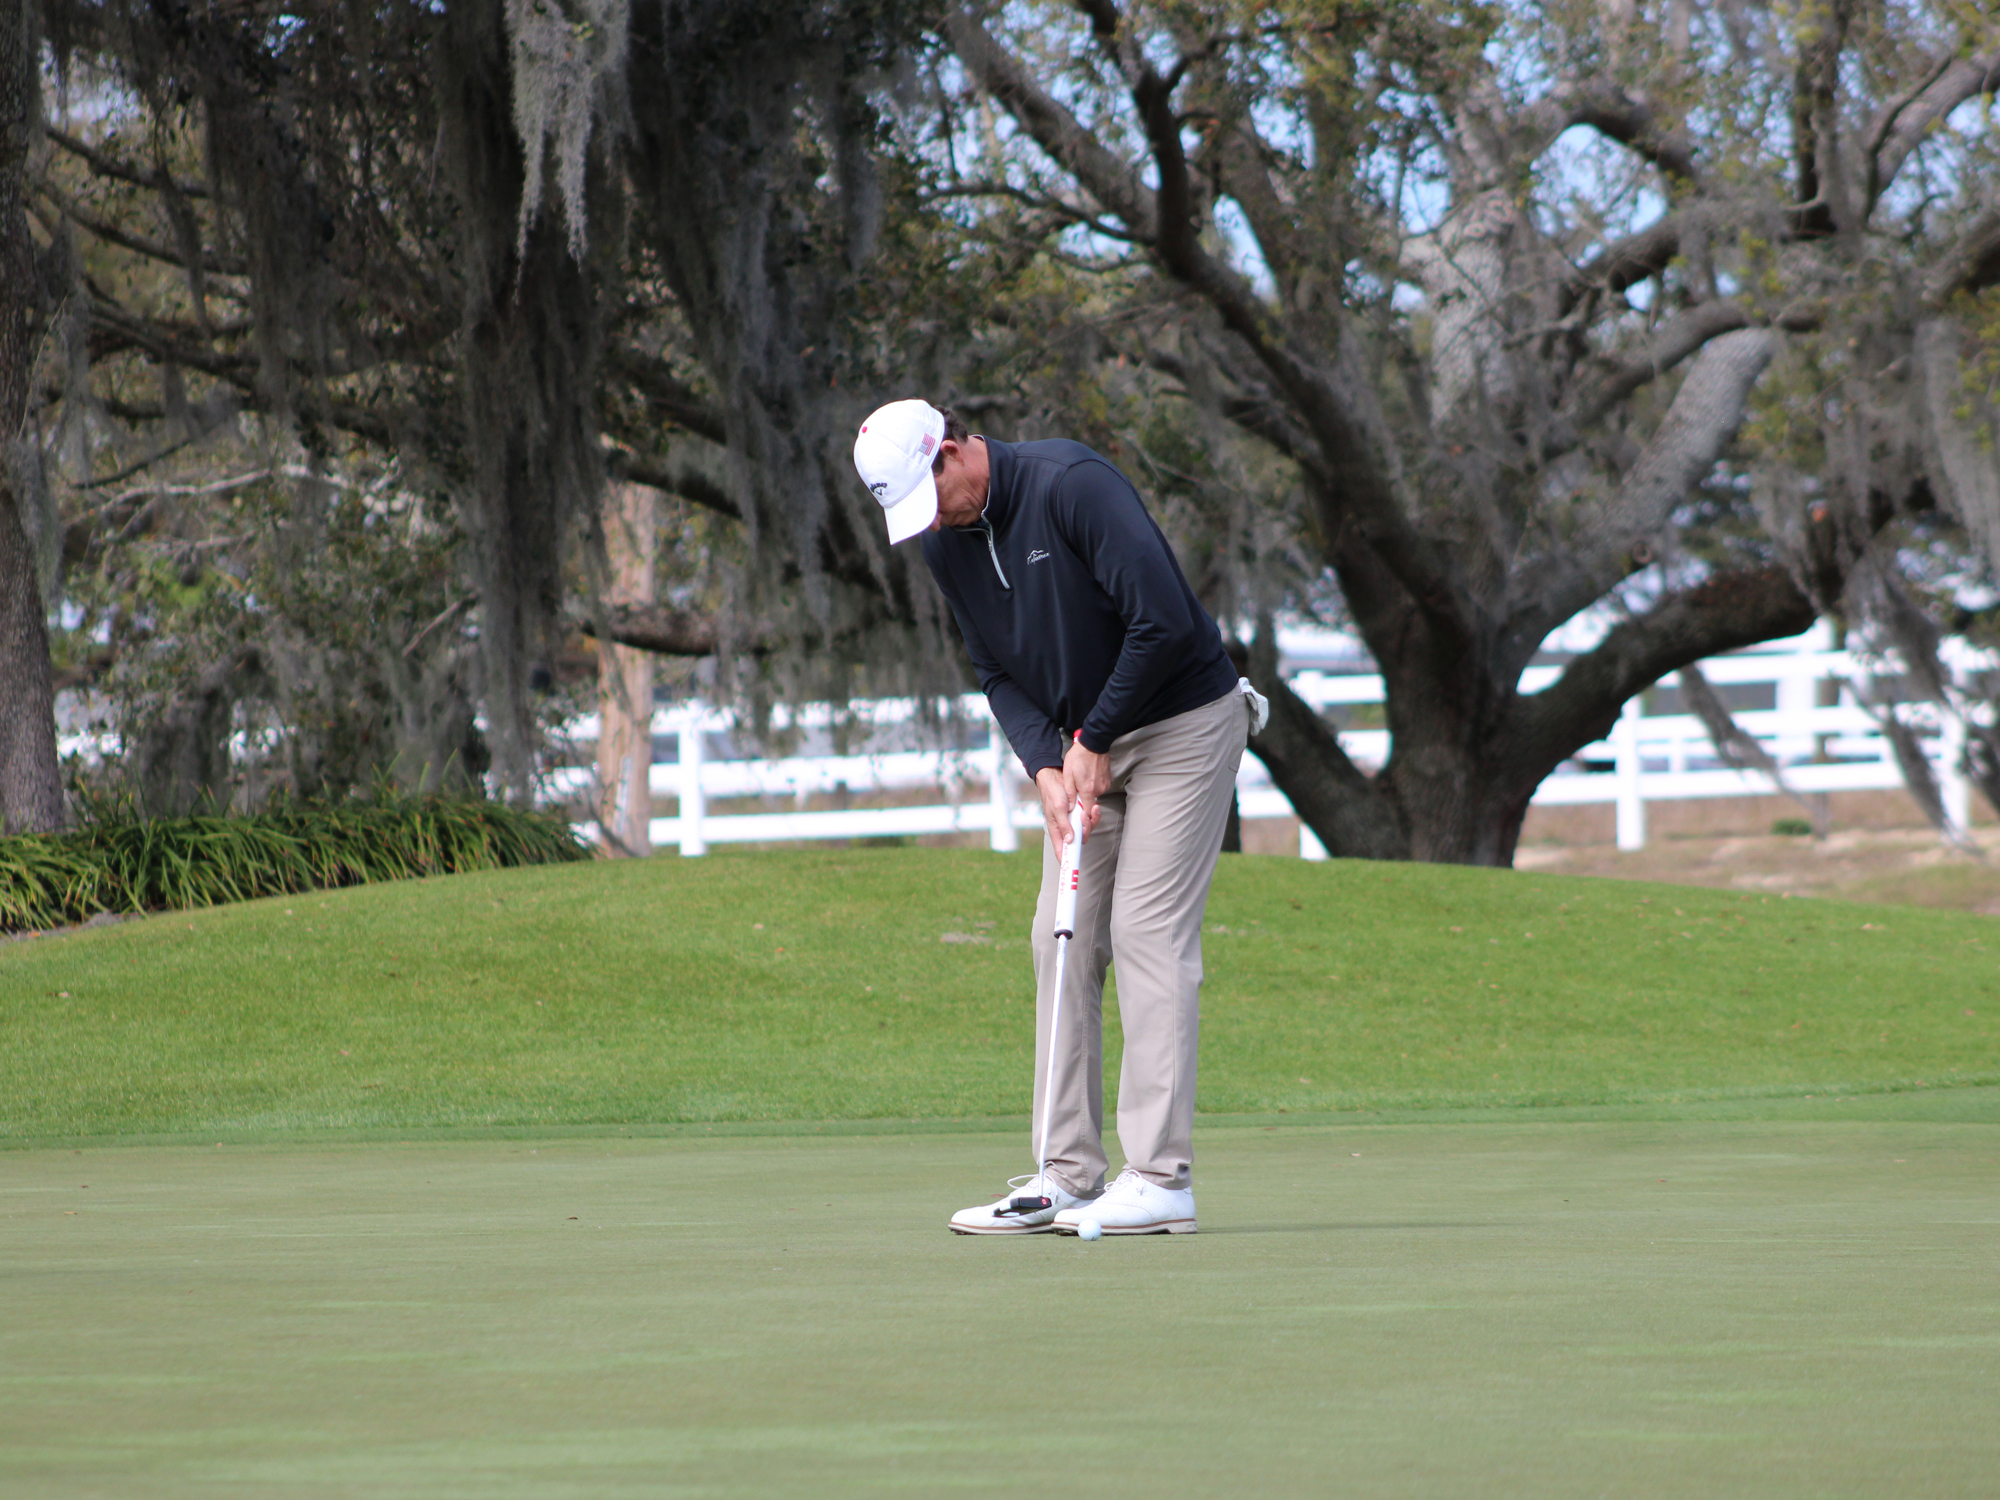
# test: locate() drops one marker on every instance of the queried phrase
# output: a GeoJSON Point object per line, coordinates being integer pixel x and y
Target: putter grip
{"type": "Point", "coordinates": [1067, 874]}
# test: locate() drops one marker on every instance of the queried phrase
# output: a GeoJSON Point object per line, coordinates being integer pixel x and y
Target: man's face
{"type": "Point", "coordinates": [961, 483]}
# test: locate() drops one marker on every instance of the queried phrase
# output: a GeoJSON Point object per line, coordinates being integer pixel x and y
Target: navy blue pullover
{"type": "Point", "coordinates": [1074, 610]}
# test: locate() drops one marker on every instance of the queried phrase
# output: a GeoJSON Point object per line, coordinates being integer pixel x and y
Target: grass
{"type": "Point", "coordinates": [1748, 1310]}
{"type": "Point", "coordinates": [870, 985]}
{"type": "Point", "coordinates": [630, 1179]}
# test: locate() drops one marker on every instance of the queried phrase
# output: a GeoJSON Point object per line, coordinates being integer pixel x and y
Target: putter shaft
{"type": "Point", "coordinates": [1068, 875]}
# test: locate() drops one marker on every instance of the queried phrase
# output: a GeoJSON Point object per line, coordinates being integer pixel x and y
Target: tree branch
{"type": "Point", "coordinates": [1722, 614]}
{"type": "Point", "coordinates": [1737, 748]}
{"type": "Point", "coordinates": [667, 393]}
{"type": "Point", "coordinates": [164, 343]}
{"type": "Point", "coordinates": [1244, 175]}
{"type": "Point", "coordinates": [139, 244]}
{"type": "Point", "coordinates": [1705, 415]}
{"type": "Point", "coordinates": [661, 629]}
{"type": "Point", "coordinates": [1676, 339]}
{"type": "Point", "coordinates": [1627, 262]}
{"type": "Point", "coordinates": [443, 618]}
{"type": "Point", "coordinates": [1107, 179]}
{"type": "Point", "coordinates": [687, 482]}
{"type": "Point", "coordinates": [1636, 125]}
{"type": "Point", "coordinates": [1335, 405]}
{"type": "Point", "coordinates": [1815, 145]}
{"type": "Point", "coordinates": [1067, 213]}
{"type": "Point", "coordinates": [1248, 405]}
{"type": "Point", "coordinates": [1972, 265]}
{"type": "Point", "coordinates": [106, 165]}
{"type": "Point", "coordinates": [1906, 123]}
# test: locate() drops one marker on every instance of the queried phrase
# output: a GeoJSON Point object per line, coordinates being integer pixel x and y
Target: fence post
{"type": "Point", "coordinates": [692, 806]}
{"type": "Point", "coordinates": [1001, 838]}
{"type": "Point", "coordinates": [1954, 788]}
{"type": "Point", "coordinates": [1309, 845]}
{"type": "Point", "coordinates": [1796, 695]}
{"type": "Point", "coordinates": [1631, 806]}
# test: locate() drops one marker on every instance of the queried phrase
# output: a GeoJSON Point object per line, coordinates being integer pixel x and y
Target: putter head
{"type": "Point", "coordinates": [1028, 1205]}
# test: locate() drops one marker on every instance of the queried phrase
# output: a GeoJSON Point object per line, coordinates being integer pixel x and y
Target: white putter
{"type": "Point", "coordinates": [1067, 875]}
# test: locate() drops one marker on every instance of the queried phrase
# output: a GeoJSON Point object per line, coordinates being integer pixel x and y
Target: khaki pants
{"type": "Point", "coordinates": [1144, 887]}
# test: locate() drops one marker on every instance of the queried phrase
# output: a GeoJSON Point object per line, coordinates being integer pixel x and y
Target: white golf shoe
{"type": "Point", "coordinates": [1132, 1205]}
{"type": "Point", "coordinates": [1016, 1213]}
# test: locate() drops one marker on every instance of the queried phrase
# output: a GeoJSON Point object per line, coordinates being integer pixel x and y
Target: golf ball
{"type": "Point", "coordinates": [1090, 1229]}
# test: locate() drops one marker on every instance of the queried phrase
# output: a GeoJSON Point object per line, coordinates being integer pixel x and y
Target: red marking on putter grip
{"type": "Point", "coordinates": [1068, 874]}
{"type": "Point", "coordinates": [1066, 920]}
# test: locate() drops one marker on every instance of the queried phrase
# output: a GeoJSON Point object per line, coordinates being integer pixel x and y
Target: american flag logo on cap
{"type": "Point", "coordinates": [928, 443]}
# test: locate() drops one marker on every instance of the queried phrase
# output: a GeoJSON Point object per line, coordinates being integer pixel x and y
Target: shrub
{"type": "Point", "coordinates": [1792, 827]}
{"type": "Point", "coordinates": [122, 863]}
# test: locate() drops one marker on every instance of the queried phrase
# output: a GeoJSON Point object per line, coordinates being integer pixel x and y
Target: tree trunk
{"type": "Point", "coordinates": [530, 343]}
{"type": "Point", "coordinates": [625, 679]}
{"type": "Point", "coordinates": [1465, 760]}
{"type": "Point", "coordinates": [1442, 802]}
{"type": "Point", "coordinates": [181, 760]}
{"type": "Point", "coordinates": [1498, 486]}
{"type": "Point", "coordinates": [31, 796]}
{"type": "Point", "coordinates": [1335, 797]}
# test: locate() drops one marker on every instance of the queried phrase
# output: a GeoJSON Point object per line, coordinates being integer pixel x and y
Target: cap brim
{"type": "Point", "coordinates": [914, 512]}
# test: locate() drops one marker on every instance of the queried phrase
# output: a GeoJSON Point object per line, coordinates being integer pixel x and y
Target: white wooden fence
{"type": "Point", "coordinates": [1647, 758]}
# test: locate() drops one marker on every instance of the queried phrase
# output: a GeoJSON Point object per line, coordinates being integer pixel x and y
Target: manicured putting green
{"type": "Point", "coordinates": [894, 984]}
{"type": "Point", "coordinates": [1548, 1310]}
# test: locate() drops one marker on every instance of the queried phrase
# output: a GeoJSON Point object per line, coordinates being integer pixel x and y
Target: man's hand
{"type": "Point", "coordinates": [1049, 781]}
{"type": "Point", "coordinates": [1084, 777]}
{"type": "Point", "coordinates": [1088, 776]}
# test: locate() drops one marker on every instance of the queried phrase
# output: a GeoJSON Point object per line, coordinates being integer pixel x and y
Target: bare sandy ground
{"type": "Point", "coordinates": [1904, 866]}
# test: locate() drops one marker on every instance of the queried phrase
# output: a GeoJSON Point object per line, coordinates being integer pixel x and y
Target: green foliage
{"type": "Point", "coordinates": [1792, 827]}
{"type": "Point", "coordinates": [328, 631]}
{"type": "Point", "coordinates": [124, 863]}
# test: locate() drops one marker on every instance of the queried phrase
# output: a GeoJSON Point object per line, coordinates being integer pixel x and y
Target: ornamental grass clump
{"type": "Point", "coordinates": [48, 881]}
{"type": "Point", "coordinates": [123, 863]}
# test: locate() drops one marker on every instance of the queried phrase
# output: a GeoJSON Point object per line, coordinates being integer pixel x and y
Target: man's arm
{"type": "Point", "coordinates": [1110, 530]}
{"type": "Point", "coordinates": [1034, 736]}
{"type": "Point", "coordinates": [1031, 732]}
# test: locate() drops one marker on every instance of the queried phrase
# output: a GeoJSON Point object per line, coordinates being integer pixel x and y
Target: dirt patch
{"type": "Point", "coordinates": [1904, 866]}
{"type": "Point", "coordinates": [102, 919]}
{"type": "Point", "coordinates": [1874, 854]}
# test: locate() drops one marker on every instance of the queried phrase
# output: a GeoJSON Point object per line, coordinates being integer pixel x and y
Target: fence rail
{"type": "Point", "coordinates": [1820, 747]}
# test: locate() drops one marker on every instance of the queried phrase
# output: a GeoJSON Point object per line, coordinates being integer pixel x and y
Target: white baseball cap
{"type": "Point", "coordinates": [893, 454]}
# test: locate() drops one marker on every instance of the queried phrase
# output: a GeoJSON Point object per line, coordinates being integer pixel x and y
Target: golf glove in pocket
{"type": "Point", "coordinates": [1257, 703]}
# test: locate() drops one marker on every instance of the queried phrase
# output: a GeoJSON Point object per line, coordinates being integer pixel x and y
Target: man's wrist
{"type": "Point", "coordinates": [1089, 742]}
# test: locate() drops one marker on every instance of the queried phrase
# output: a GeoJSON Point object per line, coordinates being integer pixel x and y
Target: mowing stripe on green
{"type": "Point", "coordinates": [1723, 1310]}
{"type": "Point", "coordinates": [758, 989]}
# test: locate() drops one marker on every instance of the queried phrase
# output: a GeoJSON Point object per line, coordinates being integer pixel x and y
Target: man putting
{"type": "Point", "coordinates": [1114, 689]}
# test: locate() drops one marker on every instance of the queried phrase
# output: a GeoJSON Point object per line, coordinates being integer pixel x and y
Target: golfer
{"type": "Point", "coordinates": [1114, 689]}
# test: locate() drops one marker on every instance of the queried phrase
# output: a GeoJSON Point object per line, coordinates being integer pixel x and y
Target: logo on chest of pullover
{"type": "Point", "coordinates": [1038, 555]}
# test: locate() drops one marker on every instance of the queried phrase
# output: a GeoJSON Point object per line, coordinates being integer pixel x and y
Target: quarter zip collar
{"type": "Point", "coordinates": [993, 551]}
{"type": "Point", "coordinates": [999, 484]}
{"type": "Point", "coordinates": [999, 503]}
